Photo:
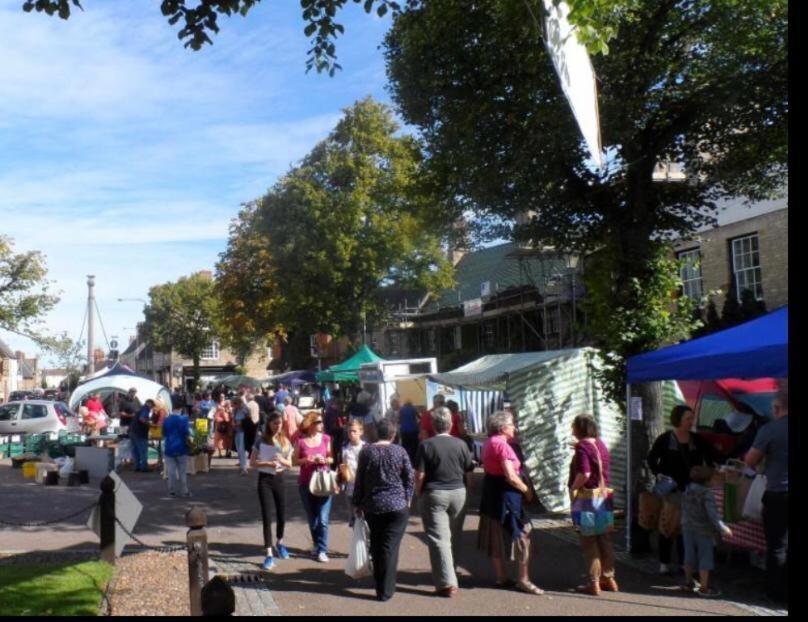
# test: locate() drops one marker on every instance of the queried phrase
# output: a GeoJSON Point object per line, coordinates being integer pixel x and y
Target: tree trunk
{"type": "Point", "coordinates": [196, 371]}
{"type": "Point", "coordinates": [645, 432]}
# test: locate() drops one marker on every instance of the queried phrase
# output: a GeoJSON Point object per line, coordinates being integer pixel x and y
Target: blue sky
{"type": "Point", "coordinates": [124, 155]}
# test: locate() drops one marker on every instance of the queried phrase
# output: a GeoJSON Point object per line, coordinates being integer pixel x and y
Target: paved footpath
{"type": "Point", "coordinates": [302, 586]}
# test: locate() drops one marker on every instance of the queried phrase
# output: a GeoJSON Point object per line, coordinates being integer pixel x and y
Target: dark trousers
{"type": "Point", "coordinates": [409, 441]}
{"type": "Point", "coordinates": [140, 452]}
{"type": "Point", "coordinates": [386, 531]}
{"type": "Point", "coordinates": [665, 546]}
{"type": "Point", "coordinates": [272, 485]}
{"type": "Point", "coordinates": [775, 526]}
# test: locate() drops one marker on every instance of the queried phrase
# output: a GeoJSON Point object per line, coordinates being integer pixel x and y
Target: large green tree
{"type": "Point", "coordinates": [351, 219]}
{"type": "Point", "coordinates": [183, 316]}
{"type": "Point", "coordinates": [701, 84]}
{"type": "Point", "coordinates": [24, 295]}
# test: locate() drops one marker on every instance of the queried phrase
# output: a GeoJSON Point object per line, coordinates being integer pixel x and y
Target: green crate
{"type": "Point", "coordinates": [152, 453]}
{"type": "Point", "coordinates": [13, 449]}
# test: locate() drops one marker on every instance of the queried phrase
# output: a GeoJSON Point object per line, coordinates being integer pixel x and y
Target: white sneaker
{"type": "Point", "coordinates": [322, 557]}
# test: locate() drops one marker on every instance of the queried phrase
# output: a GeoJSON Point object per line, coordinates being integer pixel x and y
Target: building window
{"type": "Point", "coordinates": [690, 272]}
{"type": "Point", "coordinates": [210, 353]}
{"type": "Point", "coordinates": [746, 266]}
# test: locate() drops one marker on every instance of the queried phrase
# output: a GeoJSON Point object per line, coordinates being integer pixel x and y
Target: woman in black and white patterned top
{"type": "Point", "coordinates": [385, 481]}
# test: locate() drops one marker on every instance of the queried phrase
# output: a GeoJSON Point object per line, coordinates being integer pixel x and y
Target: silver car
{"type": "Point", "coordinates": [36, 417]}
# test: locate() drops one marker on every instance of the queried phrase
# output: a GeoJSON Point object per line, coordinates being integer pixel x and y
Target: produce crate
{"type": "Point", "coordinates": [11, 450]}
{"type": "Point", "coordinates": [36, 443]}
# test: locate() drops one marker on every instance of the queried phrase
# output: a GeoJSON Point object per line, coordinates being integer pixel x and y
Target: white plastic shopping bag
{"type": "Point", "coordinates": [67, 468]}
{"type": "Point", "coordinates": [358, 564]}
{"type": "Point", "coordinates": [753, 505]}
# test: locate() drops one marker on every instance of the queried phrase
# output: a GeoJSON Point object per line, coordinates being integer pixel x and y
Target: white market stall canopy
{"type": "Point", "coordinates": [146, 389]}
{"type": "Point", "coordinates": [548, 390]}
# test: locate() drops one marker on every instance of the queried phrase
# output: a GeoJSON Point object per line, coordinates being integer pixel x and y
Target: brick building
{"type": "Point", "coordinates": [748, 249]}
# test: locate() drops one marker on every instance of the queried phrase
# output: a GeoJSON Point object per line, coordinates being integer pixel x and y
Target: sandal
{"type": "Point", "coordinates": [529, 588]}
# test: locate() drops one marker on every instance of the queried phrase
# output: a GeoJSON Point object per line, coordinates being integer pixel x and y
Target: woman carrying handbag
{"type": "Point", "coordinates": [672, 455]}
{"type": "Point", "coordinates": [313, 453]}
{"type": "Point", "coordinates": [592, 510]}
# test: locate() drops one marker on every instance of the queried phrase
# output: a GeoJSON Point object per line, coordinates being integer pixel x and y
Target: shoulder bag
{"type": "Point", "coordinates": [323, 483]}
{"type": "Point", "coordinates": [593, 508]}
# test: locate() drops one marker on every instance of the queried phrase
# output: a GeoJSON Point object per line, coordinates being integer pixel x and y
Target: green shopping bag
{"type": "Point", "coordinates": [732, 512]}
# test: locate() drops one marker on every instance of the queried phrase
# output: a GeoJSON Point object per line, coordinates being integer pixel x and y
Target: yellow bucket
{"type": "Point", "coordinates": [202, 426]}
{"type": "Point", "coordinates": [29, 470]}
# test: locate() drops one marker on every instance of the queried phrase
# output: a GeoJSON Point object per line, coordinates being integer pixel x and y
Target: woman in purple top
{"type": "Point", "coordinates": [589, 464]}
{"type": "Point", "coordinates": [385, 481]}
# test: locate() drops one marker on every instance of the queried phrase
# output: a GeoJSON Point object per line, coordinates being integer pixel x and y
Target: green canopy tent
{"type": "Point", "coordinates": [348, 371]}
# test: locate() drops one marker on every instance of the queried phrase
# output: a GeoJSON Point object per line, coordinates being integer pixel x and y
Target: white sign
{"type": "Point", "coordinates": [576, 74]}
{"type": "Point", "coordinates": [485, 288]}
{"type": "Point", "coordinates": [473, 307]}
{"type": "Point", "coordinates": [636, 409]}
{"type": "Point", "coordinates": [127, 511]}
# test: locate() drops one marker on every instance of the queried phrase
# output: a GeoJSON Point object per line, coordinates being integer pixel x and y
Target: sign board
{"type": "Point", "coordinates": [485, 289]}
{"type": "Point", "coordinates": [371, 375]}
{"type": "Point", "coordinates": [575, 72]}
{"type": "Point", "coordinates": [113, 345]}
{"type": "Point", "coordinates": [636, 409]}
{"type": "Point", "coordinates": [473, 307]}
{"type": "Point", "coordinates": [127, 511]}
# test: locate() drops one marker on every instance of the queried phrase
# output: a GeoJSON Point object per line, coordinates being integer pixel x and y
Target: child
{"type": "Point", "coordinates": [700, 524]}
{"type": "Point", "coordinates": [350, 458]}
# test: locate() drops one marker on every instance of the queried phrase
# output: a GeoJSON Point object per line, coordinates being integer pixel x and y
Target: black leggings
{"type": "Point", "coordinates": [272, 484]}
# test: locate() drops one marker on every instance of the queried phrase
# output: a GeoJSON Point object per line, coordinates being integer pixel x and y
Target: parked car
{"type": "Point", "coordinates": [17, 396]}
{"type": "Point", "coordinates": [36, 417]}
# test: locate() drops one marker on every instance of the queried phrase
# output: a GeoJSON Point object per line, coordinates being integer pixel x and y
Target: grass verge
{"type": "Point", "coordinates": [53, 589]}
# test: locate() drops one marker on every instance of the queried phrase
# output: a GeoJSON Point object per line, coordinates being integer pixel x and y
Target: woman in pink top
{"type": "Point", "coordinates": [313, 451]}
{"type": "Point", "coordinates": [504, 525]}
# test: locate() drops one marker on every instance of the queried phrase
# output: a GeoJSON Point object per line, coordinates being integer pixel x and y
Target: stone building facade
{"type": "Point", "coordinates": [748, 247]}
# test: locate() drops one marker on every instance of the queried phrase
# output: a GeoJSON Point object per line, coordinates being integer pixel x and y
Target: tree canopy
{"type": "Point", "coordinates": [198, 19]}
{"type": "Point", "coordinates": [24, 295]}
{"type": "Point", "coordinates": [315, 251]}
{"type": "Point", "coordinates": [183, 316]}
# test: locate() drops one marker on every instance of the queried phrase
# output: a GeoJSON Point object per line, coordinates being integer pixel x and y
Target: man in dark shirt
{"type": "Point", "coordinates": [443, 463]}
{"type": "Point", "coordinates": [129, 406]}
{"type": "Point", "coordinates": [139, 435]}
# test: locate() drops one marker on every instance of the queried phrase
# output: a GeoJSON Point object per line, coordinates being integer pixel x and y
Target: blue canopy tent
{"type": "Point", "coordinates": [295, 378]}
{"type": "Point", "coordinates": [755, 349]}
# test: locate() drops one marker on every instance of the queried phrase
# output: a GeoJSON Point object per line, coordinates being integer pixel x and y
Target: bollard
{"type": "Point", "coordinates": [106, 510]}
{"type": "Point", "coordinates": [197, 541]}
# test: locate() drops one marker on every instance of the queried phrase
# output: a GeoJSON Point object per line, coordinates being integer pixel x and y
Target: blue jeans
{"type": "Point", "coordinates": [242, 452]}
{"type": "Point", "coordinates": [317, 511]}
{"type": "Point", "coordinates": [177, 470]}
{"type": "Point", "coordinates": [698, 550]}
{"type": "Point", "coordinates": [140, 452]}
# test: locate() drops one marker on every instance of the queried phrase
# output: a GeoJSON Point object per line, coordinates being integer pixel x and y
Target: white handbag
{"type": "Point", "coordinates": [753, 505]}
{"type": "Point", "coordinates": [323, 483]}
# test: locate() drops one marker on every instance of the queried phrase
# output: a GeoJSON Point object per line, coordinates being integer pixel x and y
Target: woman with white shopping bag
{"type": "Point", "coordinates": [385, 482]}
{"type": "Point", "coordinates": [313, 455]}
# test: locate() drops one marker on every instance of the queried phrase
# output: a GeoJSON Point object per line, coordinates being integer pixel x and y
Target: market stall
{"type": "Point", "coordinates": [547, 390]}
{"type": "Point", "coordinates": [348, 370]}
{"type": "Point", "coordinates": [755, 349]}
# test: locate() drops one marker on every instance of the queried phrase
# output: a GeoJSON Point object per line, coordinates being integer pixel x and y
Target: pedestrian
{"type": "Point", "coordinates": [771, 443]}
{"type": "Point", "coordinates": [223, 427]}
{"type": "Point", "coordinates": [443, 464]}
{"type": "Point", "coordinates": [281, 395]}
{"type": "Point", "coordinates": [673, 454]}
{"type": "Point", "coordinates": [349, 456]}
{"type": "Point", "coordinates": [588, 479]}
{"type": "Point", "coordinates": [159, 413]}
{"type": "Point", "coordinates": [240, 416]}
{"type": "Point", "coordinates": [408, 428]}
{"type": "Point", "coordinates": [427, 430]}
{"type": "Point", "coordinates": [292, 419]}
{"type": "Point", "coordinates": [359, 409]}
{"type": "Point", "coordinates": [139, 436]}
{"type": "Point", "coordinates": [129, 406]}
{"type": "Point", "coordinates": [700, 525]}
{"type": "Point", "coordinates": [385, 482]}
{"type": "Point", "coordinates": [505, 528]}
{"type": "Point", "coordinates": [335, 425]}
{"type": "Point", "coordinates": [272, 456]}
{"type": "Point", "coordinates": [313, 451]}
{"type": "Point", "coordinates": [206, 405]}
{"type": "Point", "coordinates": [176, 434]}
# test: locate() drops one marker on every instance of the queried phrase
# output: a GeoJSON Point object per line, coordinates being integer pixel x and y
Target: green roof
{"type": "Point", "coordinates": [503, 266]}
{"type": "Point", "coordinates": [348, 370]}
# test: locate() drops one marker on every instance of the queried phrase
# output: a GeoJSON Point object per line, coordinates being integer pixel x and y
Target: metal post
{"type": "Point", "coordinates": [628, 468]}
{"type": "Point", "coordinates": [197, 540]}
{"type": "Point", "coordinates": [90, 323]}
{"type": "Point", "coordinates": [106, 508]}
